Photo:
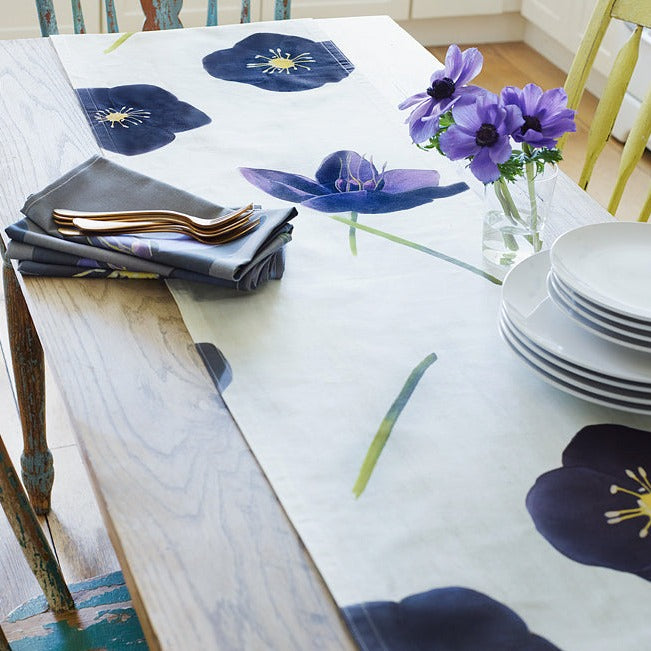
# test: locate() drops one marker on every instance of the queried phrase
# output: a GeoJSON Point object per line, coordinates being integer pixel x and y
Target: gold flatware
{"type": "Point", "coordinates": [65, 216]}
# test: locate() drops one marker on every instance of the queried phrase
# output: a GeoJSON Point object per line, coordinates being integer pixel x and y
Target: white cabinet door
{"type": "Point", "coordinates": [451, 8]}
{"type": "Point", "coordinates": [563, 20]}
{"type": "Point", "coordinates": [193, 14]}
{"type": "Point", "coordinates": [20, 20]}
{"type": "Point", "coordinates": [397, 9]}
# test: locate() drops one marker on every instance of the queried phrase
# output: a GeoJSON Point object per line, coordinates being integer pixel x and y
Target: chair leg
{"type": "Point", "coordinates": [35, 546]}
{"type": "Point", "coordinates": [29, 373]}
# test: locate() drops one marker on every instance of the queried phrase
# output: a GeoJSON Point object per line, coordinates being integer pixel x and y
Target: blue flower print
{"type": "Point", "coordinates": [279, 62]}
{"type": "Point", "coordinates": [137, 118]}
{"type": "Point", "coordinates": [596, 509]}
{"type": "Point", "coordinates": [346, 181]}
{"type": "Point", "coordinates": [458, 619]}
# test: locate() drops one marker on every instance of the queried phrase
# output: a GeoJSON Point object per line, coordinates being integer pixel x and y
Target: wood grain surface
{"type": "Point", "coordinates": [208, 554]}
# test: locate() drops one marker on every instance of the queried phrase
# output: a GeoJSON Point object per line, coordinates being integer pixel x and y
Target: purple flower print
{"type": "Point", "coordinates": [346, 181]}
{"type": "Point", "coordinates": [447, 89]}
{"type": "Point", "coordinates": [596, 508]}
{"type": "Point", "coordinates": [545, 114]}
{"type": "Point", "coordinates": [454, 619]}
{"type": "Point", "coordinates": [482, 130]}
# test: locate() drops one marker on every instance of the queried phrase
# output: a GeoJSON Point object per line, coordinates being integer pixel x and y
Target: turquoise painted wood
{"type": "Point", "coordinates": [102, 618]}
{"type": "Point", "coordinates": [158, 14]}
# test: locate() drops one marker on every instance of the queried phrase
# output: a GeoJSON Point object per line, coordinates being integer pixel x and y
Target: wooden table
{"type": "Point", "coordinates": [209, 556]}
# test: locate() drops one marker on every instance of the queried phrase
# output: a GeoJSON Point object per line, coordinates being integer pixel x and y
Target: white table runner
{"type": "Point", "coordinates": [319, 358]}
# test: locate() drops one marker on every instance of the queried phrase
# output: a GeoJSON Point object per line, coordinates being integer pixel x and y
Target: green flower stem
{"type": "Point", "coordinates": [352, 238]}
{"type": "Point", "coordinates": [418, 247]}
{"type": "Point", "coordinates": [506, 201]}
{"type": "Point", "coordinates": [529, 169]}
{"type": "Point", "coordinates": [382, 435]}
{"type": "Point", "coordinates": [118, 42]}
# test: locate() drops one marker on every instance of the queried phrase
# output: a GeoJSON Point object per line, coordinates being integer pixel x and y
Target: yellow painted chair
{"type": "Point", "coordinates": [637, 12]}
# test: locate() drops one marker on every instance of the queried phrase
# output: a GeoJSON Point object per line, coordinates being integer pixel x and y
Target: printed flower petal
{"type": "Point", "coordinates": [137, 118]}
{"type": "Point", "coordinates": [596, 509]}
{"type": "Point", "coordinates": [408, 180]}
{"type": "Point", "coordinates": [345, 164]}
{"type": "Point", "coordinates": [282, 185]}
{"type": "Point", "coordinates": [279, 62]}
{"type": "Point", "coordinates": [458, 619]}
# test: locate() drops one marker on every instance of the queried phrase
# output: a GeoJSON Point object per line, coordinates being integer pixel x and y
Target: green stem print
{"type": "Point", "coordinates": [418, 247]}
{"type": "Point", "coordinates": [382, 435]}
{"type": "Point", "coordinates": [352, 239]}
{"type": "Point", "coordinates": [118, 42]}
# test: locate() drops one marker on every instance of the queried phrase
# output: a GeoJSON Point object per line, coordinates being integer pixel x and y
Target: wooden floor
{"type": "Point", "coordinates": [74, 525]}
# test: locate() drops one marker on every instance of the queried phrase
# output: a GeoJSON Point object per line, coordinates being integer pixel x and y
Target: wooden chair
{"type": "Point", "coordinates": [159, 14]}
{"type": "Point", "coordinates": [637, 12]}
{"type": "Point", "coordinates": [93, 614]}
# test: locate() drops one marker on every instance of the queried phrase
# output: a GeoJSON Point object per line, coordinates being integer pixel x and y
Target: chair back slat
{"type": "Point", "coordinates": [283, 9]}
{"type": "Point", "coordinates": [638, 13]}
{"type": "Point", "coordinates": [211, 16]}
{"type": "Point", "coordinates": [633, 150]}
{"type": "Point", "coordinates": [111, 17]}
{"type": "Point", "coordinates": [78, 17]}
{"type": "Point", "coordinates": [645, 213]}
{"type": "Point", "coordinates": [610, 103]}
{"type": "Point", "coordinates": [159, 14]}
{"type": "Point", "coordinates": [46, 17]}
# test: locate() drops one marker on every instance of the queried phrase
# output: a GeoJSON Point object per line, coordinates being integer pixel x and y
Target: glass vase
{"type": "Point", "coordinates": [515, 214]}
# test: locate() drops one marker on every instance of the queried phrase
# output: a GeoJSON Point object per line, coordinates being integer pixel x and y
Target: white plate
{"type": "Point", "coordinates": [607, 315]}
{"type": "Point", "coordinates": [528, 306]}
{"type": "Point", "coordinates": [573, 368]}
{"type": "Point", "coordinates": [568, 388]}
{"type": "Point", "coordinates": [610, 264]}
{"type": "Point", "coordinates": [592, 323]}
{"type": "Point", "coordinates": [577, 381]}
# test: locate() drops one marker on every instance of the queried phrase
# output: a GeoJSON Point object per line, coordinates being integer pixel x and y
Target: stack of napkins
{"type": "Point", "coordinates": [101, 185]}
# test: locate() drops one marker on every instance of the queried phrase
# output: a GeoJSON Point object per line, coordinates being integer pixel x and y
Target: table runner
{"type": "Point", "coordinates": [487, 502]}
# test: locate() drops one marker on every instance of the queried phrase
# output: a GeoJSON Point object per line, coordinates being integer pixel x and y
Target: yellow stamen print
{"type": "Point", "coordinates": [279, 63]}
{"type": "Point", "coordinates": [124, 117]}
{"type": "Point", "coordinates": [643, 499]}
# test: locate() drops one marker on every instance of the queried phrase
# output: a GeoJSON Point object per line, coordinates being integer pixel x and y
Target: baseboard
{"type": "Point", "coordinates": [497, 28]}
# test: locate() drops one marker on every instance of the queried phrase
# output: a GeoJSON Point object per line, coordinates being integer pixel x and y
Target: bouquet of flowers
{"type": "Point", "coordinates": [467, 122]}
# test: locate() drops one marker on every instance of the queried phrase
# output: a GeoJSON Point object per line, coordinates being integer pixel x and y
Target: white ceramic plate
{"type": "Point", "coordinates": [573, 368]}
{"type": "Point", "coordinates": [609, 316]}
{"type": "Point", "coordinates": [624, 405]}
{"type": "Point", "coordinates": [593, 324]}
{"type": "Point", "coordinates": [529, 308]}
{"type": "Point", "coordinates": [578, 382]}
{"type": "Point", "coordinates": [610, 264]}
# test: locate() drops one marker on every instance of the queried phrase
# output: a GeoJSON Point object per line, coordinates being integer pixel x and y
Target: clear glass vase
{"type": "Point", "coordinates": [514, 215]}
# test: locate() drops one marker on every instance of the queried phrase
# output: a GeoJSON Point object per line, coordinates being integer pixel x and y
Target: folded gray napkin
{"type": "Point", "coordinates": [101, 185]}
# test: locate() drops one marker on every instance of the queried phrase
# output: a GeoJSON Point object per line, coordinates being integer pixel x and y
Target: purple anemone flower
{"type": "Point", "coordinates": [444, 618]}
{"type": "Point", "coordinates": [545, 114]}
{"type": "Point", "coordinates": [481, 131]}
{"type": "Point", "coordinates": [447, 89]}
{"type": "Point", "coordinates": [596, 508]}
{"type": "Point", "coordinates": [346, 181]}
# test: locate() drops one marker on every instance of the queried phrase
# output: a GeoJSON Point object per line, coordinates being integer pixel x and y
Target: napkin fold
{"type": "Point", "coordinates": [99, 184]}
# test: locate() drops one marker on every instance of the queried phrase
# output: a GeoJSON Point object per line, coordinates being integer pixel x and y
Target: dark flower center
{"type": "Point", "coordinates": [530, 122]}
{"type": "Point", "coordinates": [486, 135]}
{"type": "Point", "coordinates": [441, 88]}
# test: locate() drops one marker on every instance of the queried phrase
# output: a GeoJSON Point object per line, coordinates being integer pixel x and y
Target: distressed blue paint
{"type": "Point", "coordinates": [282, 9]}
{"type": "Point", "coordinates": [117, 596]}
{"type": "Point", "coordinates": [46, 17]}
{"type": "Point", "coordinates": [37, 470]}
{"type": "Point", "coordinates": [39, 605]}
{"type": "Point", "coordinates": [115, 630]}
{"type": "Point", "coordinates": [245, 14]}
{"type": "Point", "coordinates": [211, 17]}
{"type": "Point", "coordinates": [111, 17]}
{"type": "Point", "coordinates": [78, 17]}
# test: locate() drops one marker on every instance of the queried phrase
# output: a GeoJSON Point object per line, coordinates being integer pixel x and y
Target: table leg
{"type": "Point", "coordinates": [36, 548]}
{"type": "Point", "coordinates": [29, 373]}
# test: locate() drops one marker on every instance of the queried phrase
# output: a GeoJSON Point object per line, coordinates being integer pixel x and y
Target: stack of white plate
{"type": "Point", "coordinates": [580, 315]}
